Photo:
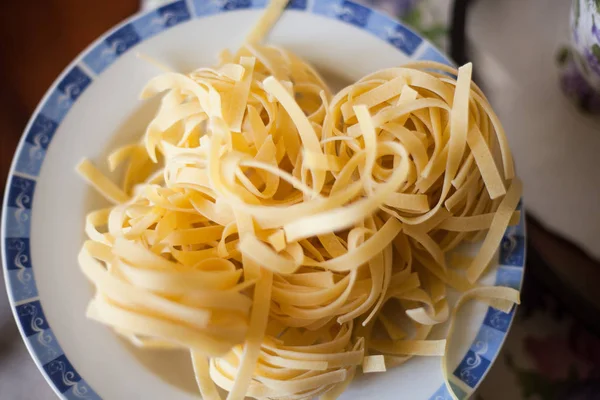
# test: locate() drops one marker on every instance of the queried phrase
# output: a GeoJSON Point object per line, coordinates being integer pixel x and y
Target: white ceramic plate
{"type": "Point", "coordinates": [93, 106]}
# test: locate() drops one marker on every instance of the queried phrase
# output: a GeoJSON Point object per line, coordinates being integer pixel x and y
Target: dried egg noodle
{"type": "Point", "coordinates": [276, 230]}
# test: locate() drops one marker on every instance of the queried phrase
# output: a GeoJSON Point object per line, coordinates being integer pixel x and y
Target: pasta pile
{"type": "Point", "coordinates": [287, 236]}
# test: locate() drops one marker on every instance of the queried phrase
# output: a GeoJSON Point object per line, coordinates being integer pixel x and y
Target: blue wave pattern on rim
{"type": "Point", "coordinates": [344, 10]}
{"type": "Point", "coordinates": [487, 344]}
{"type": "Point", "coordinates": [129, 35]}
{"type": "Point", "coordinates": [37, 139]}
{"type": "Point", "coordinates": [161, 19]}
{"type": "Point", "coordinates": [44, 345]}
{"type": "Point", "coordinates": [18, 265]}
{"type": "Point", "coordinates": [67, 380]}
{"type": "Point", "coordinates": [394, 33]}
{"type": "Point", "coordinates": [21, 186]}
{"type": "Point", "coordinates": [104, 54]}
{"type": "Point", "coordinates": [472, 368]}
{"type": "Point", "coordinates": [211, 7]}
{"type": "Point", "coordinates": [64, 95]}
{"type": "Point", "coordinates": [17, 219]}
{"type": "Point", "coordinates": [44, 125]}
{"type": "Point", "coordinates": [492, 333]}
{"type": "Point", "coordinates": [17, 255]}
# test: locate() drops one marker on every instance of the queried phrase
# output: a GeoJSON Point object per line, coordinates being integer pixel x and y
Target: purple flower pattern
{"type": "Point", "coordinates": [595, 30]}
{"type": "Point", "coordinates": [580, 63]}
{"type": "Point", "coordinates": [592, 60]}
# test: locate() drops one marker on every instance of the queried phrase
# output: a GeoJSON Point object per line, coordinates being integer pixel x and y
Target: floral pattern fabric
{"type": "Point", "coordinates": [580, 61]}
{"type": "Point", "coordinates": [548, 355]}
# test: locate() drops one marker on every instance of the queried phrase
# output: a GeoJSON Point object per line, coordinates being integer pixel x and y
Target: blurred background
{"type": "Point", "coordinates": [539, 63]}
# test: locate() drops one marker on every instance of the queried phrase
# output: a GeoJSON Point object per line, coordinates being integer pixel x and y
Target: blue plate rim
{"type": "Point", "coordinates": [26, 307]}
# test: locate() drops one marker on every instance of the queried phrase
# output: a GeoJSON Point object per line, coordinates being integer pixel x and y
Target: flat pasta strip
{"type": "Point", "coordinates": [286, 237]}
{"type": "Point", "coordinates": [494, 237]}
{"type": "Point", "coordinates": [101, 183]}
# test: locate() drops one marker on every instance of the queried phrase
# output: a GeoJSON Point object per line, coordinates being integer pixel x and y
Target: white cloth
{"type": "Point", "coordinates": [556, 148]}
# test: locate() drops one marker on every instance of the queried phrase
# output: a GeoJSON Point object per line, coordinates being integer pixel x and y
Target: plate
{"type": "Point", "coordinates": [93, 107]}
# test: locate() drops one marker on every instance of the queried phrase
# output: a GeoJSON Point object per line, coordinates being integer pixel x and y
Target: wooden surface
{"type": "Point", "coordinates": [38, 38]}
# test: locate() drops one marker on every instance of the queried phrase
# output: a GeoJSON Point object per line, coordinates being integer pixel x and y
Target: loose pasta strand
{"type": "Point", "coordinates": [287, 236]}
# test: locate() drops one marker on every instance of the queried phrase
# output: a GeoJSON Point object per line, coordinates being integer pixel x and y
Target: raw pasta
{"type": "Point", "coordinates": [286, 236]}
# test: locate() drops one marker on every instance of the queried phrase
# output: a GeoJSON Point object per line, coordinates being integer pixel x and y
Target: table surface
{"type": "Point", "coordinates": [545, 131]}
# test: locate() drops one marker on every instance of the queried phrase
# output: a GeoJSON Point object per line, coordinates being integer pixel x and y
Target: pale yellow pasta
{"type": "Point", "coordinates": [286, 236]}
{"type": "Point", "coordinates": [374, 364]}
